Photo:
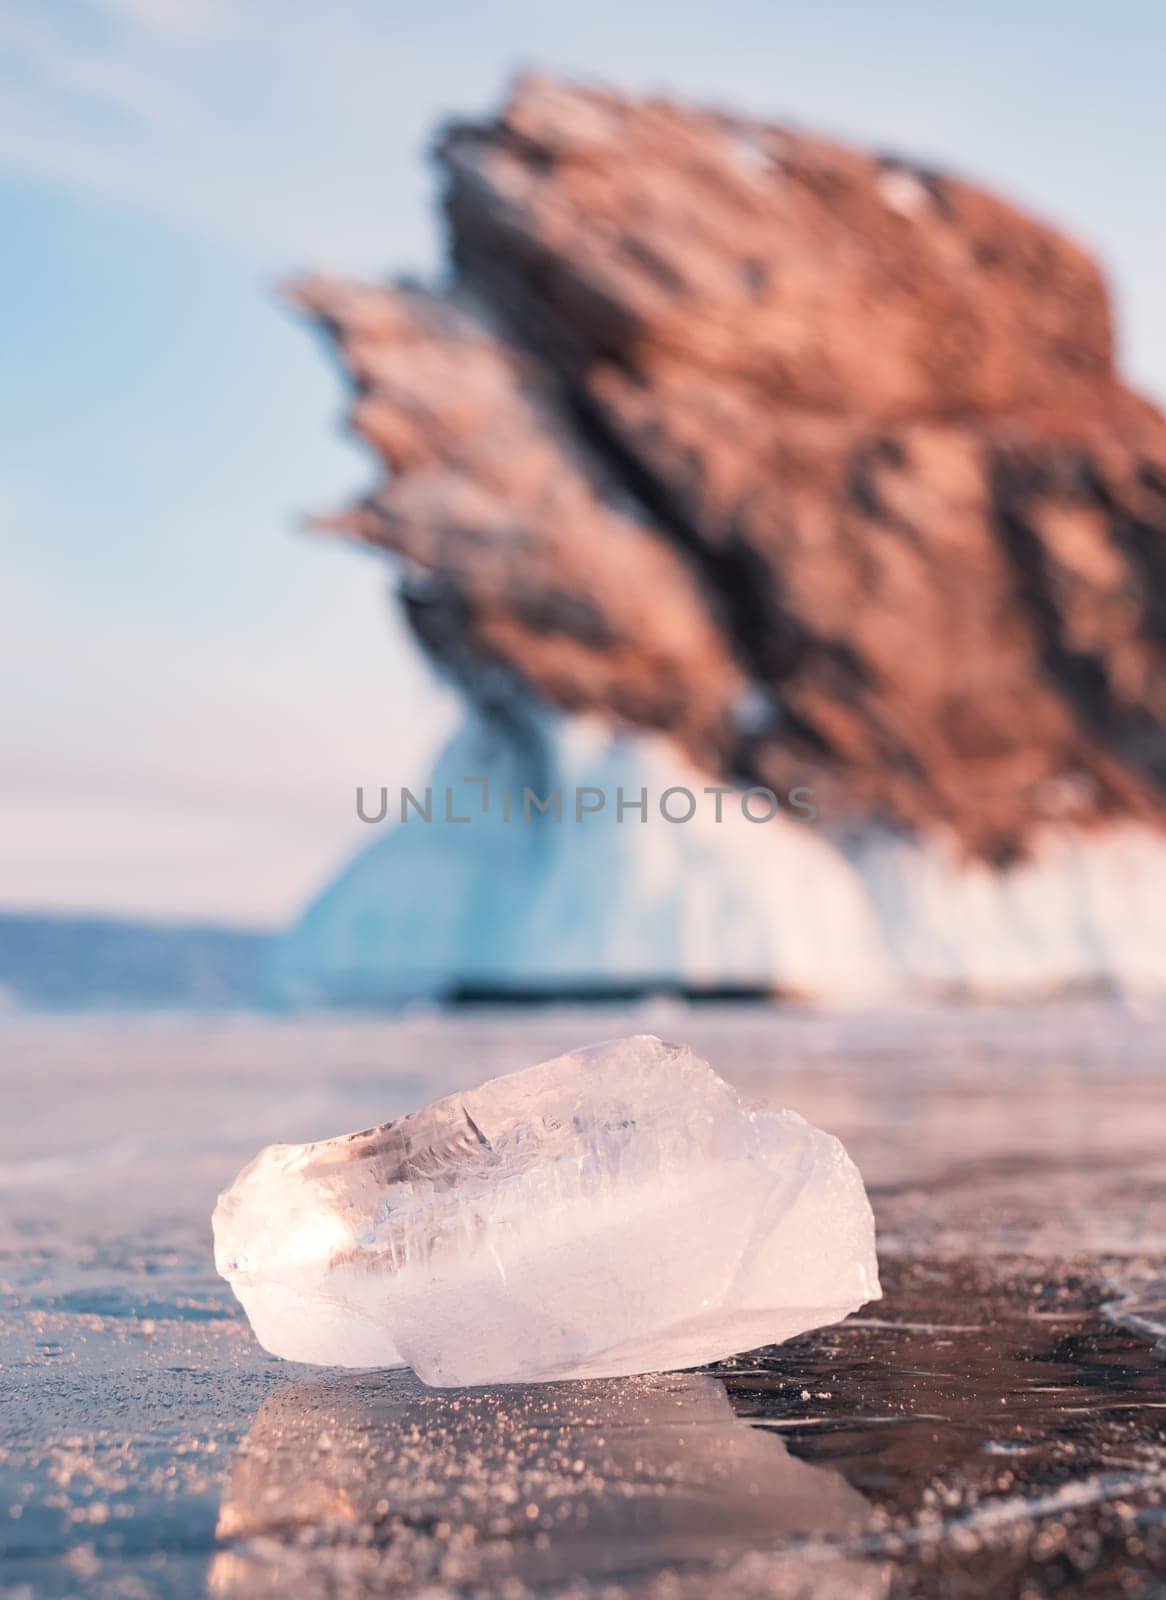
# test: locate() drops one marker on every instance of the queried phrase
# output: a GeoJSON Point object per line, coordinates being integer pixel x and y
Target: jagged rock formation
{"type": "Point", "coordinates": [815, 460]}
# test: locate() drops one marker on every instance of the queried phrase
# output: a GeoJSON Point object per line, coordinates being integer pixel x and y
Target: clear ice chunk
{"type": "Point", "coordinates": [614, 1211]}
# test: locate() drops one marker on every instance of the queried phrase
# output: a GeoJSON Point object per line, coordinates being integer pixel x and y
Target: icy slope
{"type": "Point", "coordinates": [596, 899]}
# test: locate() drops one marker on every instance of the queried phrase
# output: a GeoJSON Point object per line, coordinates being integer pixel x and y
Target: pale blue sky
{"type": "Point", "coordinates": [192, 689]}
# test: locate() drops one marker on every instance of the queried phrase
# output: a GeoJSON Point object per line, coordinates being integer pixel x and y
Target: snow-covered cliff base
{"type": "Point", "coordinates": [538, 871]}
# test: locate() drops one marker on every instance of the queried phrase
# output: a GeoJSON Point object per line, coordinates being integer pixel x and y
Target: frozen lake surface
{"type": "Point", "coordinates": [995, 1426]}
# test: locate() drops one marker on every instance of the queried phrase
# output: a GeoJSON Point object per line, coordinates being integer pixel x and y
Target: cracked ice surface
{"type": "Point", "coordinates": [616, 1210]}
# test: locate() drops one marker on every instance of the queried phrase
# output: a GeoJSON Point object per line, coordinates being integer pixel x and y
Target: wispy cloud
{"type": "Point", "coordinates": [276, 127]}
{"type": "Point", "coordinates": [186, 20]}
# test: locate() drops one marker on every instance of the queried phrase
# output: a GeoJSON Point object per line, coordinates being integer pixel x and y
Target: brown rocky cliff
{"type": "Point", "coordinates": [813, 458]}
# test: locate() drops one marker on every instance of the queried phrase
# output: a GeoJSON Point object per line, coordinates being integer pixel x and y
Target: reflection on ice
{"type": "Point", "coordinates": [373, 1483]}
{"type": "Point", "coordinates": [1008, 1435]}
